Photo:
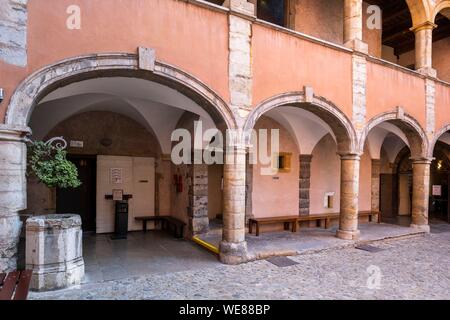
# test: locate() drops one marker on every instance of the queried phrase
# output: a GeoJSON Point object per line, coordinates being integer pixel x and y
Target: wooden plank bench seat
{"type": "Point", "coordinates": [167, 223]}
{"type": "Point", "coordinates": [15, 285]}
{"type": "Point", "coordinates": [287, 220]}
{"type": "Point", "coordinates": [312, 217]}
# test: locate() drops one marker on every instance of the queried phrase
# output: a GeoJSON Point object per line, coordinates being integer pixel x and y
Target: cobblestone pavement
{"type": "Point", "coordinates": [412, 268]}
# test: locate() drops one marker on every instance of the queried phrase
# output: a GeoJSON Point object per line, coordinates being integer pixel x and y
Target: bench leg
{"type": "Point", "coordinates": [144, 225]}
{"type": "Point", "coordinates": [250, 225]}
{"type": "Point", "coordinates": [257, 229]}
{"type": "Point", "coordinates": [327, 223]}
{"type": "Point", "coordinates": [294, 226]}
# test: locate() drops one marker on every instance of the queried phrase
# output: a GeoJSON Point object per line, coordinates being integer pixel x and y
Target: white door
{"type": "Point", "coordinates": [135, 176]}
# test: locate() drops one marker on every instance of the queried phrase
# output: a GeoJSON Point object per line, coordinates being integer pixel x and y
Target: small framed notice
{"type": "Point", "coordinates": [115, 175]}
{"type": "Point", "coordinates": [437, 190]}
{"type": "Point", "coordinates": [118, 195]}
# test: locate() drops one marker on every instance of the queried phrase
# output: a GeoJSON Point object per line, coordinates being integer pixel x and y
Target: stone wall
{"type": "Point", "coordinates": [13, 32]}
{"type": "Point", "coordinates": [126, 138]}
{"type": "Point", "coordinates": [324, 19]}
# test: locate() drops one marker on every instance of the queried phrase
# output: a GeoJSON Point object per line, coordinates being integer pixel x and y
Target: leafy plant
{"type": "Point", "coordinates": [49, 164]}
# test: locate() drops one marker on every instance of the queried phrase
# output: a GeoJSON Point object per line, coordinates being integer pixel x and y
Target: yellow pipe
{"type": "Point", "coordinates": [205, 245]}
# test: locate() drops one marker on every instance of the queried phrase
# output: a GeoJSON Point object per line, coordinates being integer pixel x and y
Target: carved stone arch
{"type": "Point", "coordinates": [40, 83]}
{"type": "Point", "coordinates": [339, 123]}
{"type": "Point", "coordinates": [436, 137]}
{"type": "Point", "coordinates": [441, 6]}
{"type": "Point", "coordinates": [417, 138]}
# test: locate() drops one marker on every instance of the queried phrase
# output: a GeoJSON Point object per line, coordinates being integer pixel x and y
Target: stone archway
{"type": "Point", "coordinates": [327, 111]}
{"type": "Point", "coordinates": [418, 145]}
{"type": "Point", "coordinates": [345, 135]}
{"type": "Point", "coordinates": [13, 133]}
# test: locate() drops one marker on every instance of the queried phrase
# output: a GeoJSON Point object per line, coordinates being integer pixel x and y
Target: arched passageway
{"type": "Point", "coordinates": [119, 115]}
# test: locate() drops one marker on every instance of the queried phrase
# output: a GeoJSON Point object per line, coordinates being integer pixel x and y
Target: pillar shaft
{"type": "Point", "coordinates": [348, 221]}
{"type": "Point", "coordinates": [233, 248]}
{"type": "Point", "coordinates": [353, 20]}
{"type": "Point", "coordinates": [375, 185]}
{"type": "Point", "coordinates": [12, 194]}
{"type": "Point", "coordinates": [421, 191]}
{"type": "Point", "coordinates": [305, 183]}
{"type": "Point", "coordinates": [424, 48]}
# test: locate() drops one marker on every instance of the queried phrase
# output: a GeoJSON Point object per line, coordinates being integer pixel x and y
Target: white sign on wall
{"type": "Point", "coordinates": [115, 175]}
{"type": "Point", "coordinates": [76, 144]}
{"type": "Point", "coordinates": [437, 190]}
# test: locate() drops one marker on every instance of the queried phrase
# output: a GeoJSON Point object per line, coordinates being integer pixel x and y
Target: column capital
{"type": "Point", "coordinates": [427, 25]}
{"type": "Point", "coordinates": [421, 160]}
{"type": "Point", "coordinates": [14, 133]}
{"type": "Point", "coordinates": [305, 157]}
{"type": "Point", "coordinates": [350, 156]}
{"type": "Point", "coordinates": [245, 7]}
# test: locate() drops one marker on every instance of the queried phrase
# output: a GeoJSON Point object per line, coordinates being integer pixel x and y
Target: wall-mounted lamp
{"type": "Point", "coordinates": [1, 94]}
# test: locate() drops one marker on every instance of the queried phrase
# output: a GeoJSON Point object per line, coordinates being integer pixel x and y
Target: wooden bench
{"type": "Point", "coordinates": [146, 219]}
{"type": "Point", "coordinates": [371, 215]}
{"type": "Point", "coordinates": [167, 223]}
{"type": "Point", "coordinates": [287, 220]}
{"type": "Point", "coordinates": [312, 217]}
{"type": "Point", "coordinates": [171, 223]}
{"type": "Point", "coordinates": [15, 285]}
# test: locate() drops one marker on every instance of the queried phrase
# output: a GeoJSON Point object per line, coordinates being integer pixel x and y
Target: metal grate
{"type": "Point", "coordinates": [369, 248]}
{"type": "Point", "coordinates": [282, 262]}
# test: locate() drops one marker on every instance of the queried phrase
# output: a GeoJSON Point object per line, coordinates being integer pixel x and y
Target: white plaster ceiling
{"type": "Point", "coordinates": [445, 138]}
{"type": "Point", "coordinates": [151, 104]}
{"type": "Point", "coordinates": [306, 128]}
{"type": "Point", "coordinates": [382, 134]}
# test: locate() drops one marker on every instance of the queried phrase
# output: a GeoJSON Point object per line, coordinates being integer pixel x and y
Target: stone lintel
{"type": "Point", "coordinates": [147, 57]}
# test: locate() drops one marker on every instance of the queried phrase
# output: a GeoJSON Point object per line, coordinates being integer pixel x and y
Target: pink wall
{"type": "Point", "coordinates": [442, 105]}
{"type": "Point", "coordinates": [325, 175]}
{"type": "Point", "coordinates": [271, 198]}
{"type": "Point", "coordinates": [324, 19]}
{"type": "Point", "coordinates": [188, 36]}
{"type": "Point", "coordinates": [441, 58]}
{"type": "Point", "coordinates": [284, 63]}
{"type": "Point", "coordinates": [365, 181]}
{"type": "Point", "coordinates": [387, 88]}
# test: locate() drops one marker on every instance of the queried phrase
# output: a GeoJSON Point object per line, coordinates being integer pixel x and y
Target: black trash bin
{"type": "Point", "coordinates": [121, 220]}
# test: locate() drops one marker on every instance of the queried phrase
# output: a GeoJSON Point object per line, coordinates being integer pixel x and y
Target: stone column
{"type": "Point", "coordinates": [353, 25]}
{"type": "Point", "coordinates": [233, 248]}
{"type": "Point", "coordinates": [421, 191]}
{"type": "Point", "coordinates": [305, 183]}
{"type": "Point", "coordinates": [198, 199]}
{"type": "Point", "coordinates": [348, 219]}
{"type": "Point", "coordinates": [424, 48]}
{"type": "Point", "coordinates": [13, 196]}
{"type": "Point", "coordinates": [375, 185]}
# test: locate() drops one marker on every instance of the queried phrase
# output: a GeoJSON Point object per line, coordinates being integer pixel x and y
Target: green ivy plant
{"type": "Point", "coordinates": [50, 165]}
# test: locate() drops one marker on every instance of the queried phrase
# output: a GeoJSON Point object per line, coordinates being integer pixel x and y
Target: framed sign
{"type": "Point", "coordinates": [437, 190]}
{"type": "Point", "coordinates": [117, 195]}
{"type": "Point", "coordinates": [116, 175]}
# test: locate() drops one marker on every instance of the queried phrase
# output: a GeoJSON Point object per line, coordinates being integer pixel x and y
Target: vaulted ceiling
{"type": "Point", "coordinates": [397, 22]}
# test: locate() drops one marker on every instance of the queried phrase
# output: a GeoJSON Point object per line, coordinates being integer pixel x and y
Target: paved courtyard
{"type": "Point", "coordinates": [410, 268]}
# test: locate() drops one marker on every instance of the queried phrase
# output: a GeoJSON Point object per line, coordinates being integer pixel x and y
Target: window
{"type": "Point", "coordinates": [273, 11]}
{"type": "Point", "coordinates": [282, 162]}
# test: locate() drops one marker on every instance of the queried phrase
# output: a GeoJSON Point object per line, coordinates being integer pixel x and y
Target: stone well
{"type": "Point", "coordinates": [54, 251]}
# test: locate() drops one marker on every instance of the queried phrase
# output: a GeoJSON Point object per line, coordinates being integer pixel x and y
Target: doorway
{"type": "Point", "coordinates": [81, 200]}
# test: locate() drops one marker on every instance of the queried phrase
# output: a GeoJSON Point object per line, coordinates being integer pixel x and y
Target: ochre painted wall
{"type": "Point", "coordinates": [283, 63]}
{"type": "Point", "coordinates": [276, 197]}
{"type": "Point", "coordinates": [190, 37]}
{"type": "Point", "coordinates": [323, 19]}
{"type": "Point", "coordinates": [388, 88]}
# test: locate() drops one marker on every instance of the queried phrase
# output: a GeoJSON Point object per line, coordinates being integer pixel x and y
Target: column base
{"type": "Point", "coordinates": [348, 235]}
{"type": "Point", "coordinates": [358, 45]}
{"type": "Point", "coordinates": [427, 71]}
{"type": "Point", "coordinates": [10, 228]}
{"type": "Point", "coordinates": [233, 253]}
{"type": "Point", "coordinates": [423, 227]}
